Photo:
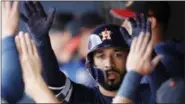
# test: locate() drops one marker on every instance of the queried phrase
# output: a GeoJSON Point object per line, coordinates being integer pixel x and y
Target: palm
{"type": "Point", "coordinates": [36, 20]}
{"type": "Point", "coordinates": [140, 55]}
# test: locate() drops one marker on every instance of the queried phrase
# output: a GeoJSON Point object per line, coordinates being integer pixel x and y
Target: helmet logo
{"type": "Point", "coordinates": [106, 35]}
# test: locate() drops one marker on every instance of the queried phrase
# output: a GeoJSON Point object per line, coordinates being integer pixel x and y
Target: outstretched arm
{"type": "Point", "coordinates": [139, 24]}
{"type": "Point", "coordinates": [139, 63]}
{"type": "Point", "coordinates": [38, 24]}
{"type": "Point", "coordinates": [12, 84]}
{"type": "Point", "coordinates": [31, 70]}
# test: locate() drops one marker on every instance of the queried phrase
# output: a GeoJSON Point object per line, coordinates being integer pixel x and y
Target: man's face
{"type": "Point", "coordinates": [112, 61]}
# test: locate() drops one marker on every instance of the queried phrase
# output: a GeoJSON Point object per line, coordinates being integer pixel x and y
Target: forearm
{"type": "Point", "coordinates": [41, 93]}
{"type": "Point", "coordinates": [50, 66]}
{"type": "Point", "coordinates": [12, 83]}
{"type": "Point", "coordinates": [129, 88]}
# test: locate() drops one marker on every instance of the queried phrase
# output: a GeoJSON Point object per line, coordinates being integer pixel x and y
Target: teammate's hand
{"type": "Point", "coordinates": [10, 18]}
{"type": "Point", "coordinates": [140, 55]}
{"type": "Point", "coordinates": [137, 24]}
{"type": "Point", "coordinates": [36, 20]}
{"type": "Point", "coordinates": [29, 60]}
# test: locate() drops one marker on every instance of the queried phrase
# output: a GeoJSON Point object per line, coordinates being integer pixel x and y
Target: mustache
{"type": "Point", "coordinates": [112, 70]}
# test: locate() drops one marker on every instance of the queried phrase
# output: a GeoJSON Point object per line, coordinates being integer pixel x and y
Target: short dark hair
{"type": "Point", "coordinates": [61, 20]}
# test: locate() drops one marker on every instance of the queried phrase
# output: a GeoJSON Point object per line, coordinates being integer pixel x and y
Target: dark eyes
{"type": "Point", "coordinates": [119, 55]}
{"type": "Point", "coordinates": [116, 55]}
{"type": "Point", "coordinates": [100, 56]}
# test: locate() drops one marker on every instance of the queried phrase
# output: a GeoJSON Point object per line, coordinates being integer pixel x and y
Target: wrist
{"type": "Point", "coordinates": [137, 70]}
{"type": "Point", "coordinates": [5, 35]}
{"type": "Point", "coordinates": [42, 94]}
{"type": "Point", "coordinates": [8, 32]}
{"type": "Point", "coordinates": [34, 86]}
{"type": "Point", "coordinates": [42, 40]}
{"type": "Point", "coordinates": [130, 85]}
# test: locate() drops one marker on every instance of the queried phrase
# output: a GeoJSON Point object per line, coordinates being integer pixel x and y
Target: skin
{"type": "Point", "coordinates": [10, 18]}
{"type": "Point", "coordinates": [157, 34]}
{"type": "Point", "coordinates": [31, 65]}
{"type": "Point", "coordinates": [111, 58]}
{"type": "Point", "coordinates": [31, 68]}
{"type": "Point", "coordinates": [30, 61]}
{"type": "Point", "coordinates": [140, 60]}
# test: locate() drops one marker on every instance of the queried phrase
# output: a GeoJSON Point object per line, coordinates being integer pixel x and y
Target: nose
{"type": "Point", "coordinates": [109, 63]}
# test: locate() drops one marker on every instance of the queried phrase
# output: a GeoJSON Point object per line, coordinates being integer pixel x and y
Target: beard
{"type": "Point", "coordinates": [111, 84]}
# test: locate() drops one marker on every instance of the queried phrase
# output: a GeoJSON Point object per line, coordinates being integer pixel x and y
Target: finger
{"type": "Point", "coordinates": [15, 6]}
{"type": "Point", "coordinates": [144, 44]}
{"type": "Point", "coordinates": [148, 52]}
{"type": "Point", "coordinates": [24, 49]}
{"type": "Point", "coordinates": [156, 60]}
{"type": "Point", "coordinates": [148, 29]}
{"type": "Point", "coordinates": [132, 22]}
{"type": "Point", "coordinates": [133, 45]}
{"type": "Point", "coordinates": [35, 52]}
{"type": "Point", "coordinates": [23, 17]}
{"type": "Point", "coordinates": [18, 44]}
{"type": "Point", "coordinates": [139, 42]}
{"type": "Point", "coordinates": [138, 20]}
{"type": "Point", "coordinates": [8, 5]}
{"type": "Point", "coordinates": [143, 22]}
{"type": "Point", "coordinates": [28, 11]}
{"type": "Point", "coordinates": [39, 8]}
{"type": "Point", "coordinates": [3, 5]}
{"type": "Point", "coordinates": [148, 26]}
{"type": "Point", "coordinates": [32, 7]}
{"type": "Point", "coordinates": [126, 36]}
{"type": "Point", "coordinates": [50, 17]}
{"type": "Point", "coordinates": [148, 34]}
{"type": "Point", "coordinates": [29, 44]}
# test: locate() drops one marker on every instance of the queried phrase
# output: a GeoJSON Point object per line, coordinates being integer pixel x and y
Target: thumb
{"type": "Point", "coordinates": [24, 18]}
{"type": "Point", "coordinates": [50, 17]}
{"type": "Point", "coordinates": [156, 60]}
{"type": "Point", "coordinates": [18, 44]}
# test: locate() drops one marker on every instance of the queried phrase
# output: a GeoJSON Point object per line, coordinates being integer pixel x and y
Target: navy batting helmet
{"type": "Point", "coordinates": [107, 35]}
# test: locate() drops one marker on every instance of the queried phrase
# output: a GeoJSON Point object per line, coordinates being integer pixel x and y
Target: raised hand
{"type": "Point", "coordinates": [36, 20]}
{"type": "Point", "coordinates": [140, 55]}
{"type": "Point", "coordinates": [35, 86]}
{"type": "Point", "coordinates": [29, 60]}
{"type": "Point", "coordinates": [10, 18]}
{"type": "Point", "coordinates": [138, 24]}
{"type": "Point", "coordinates": [38, 24]}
